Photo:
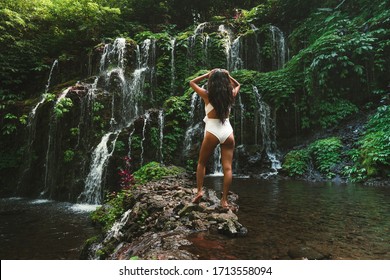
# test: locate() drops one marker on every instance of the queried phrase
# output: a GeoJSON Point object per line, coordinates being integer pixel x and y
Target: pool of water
{"type": "Point", "coordinates": [285, 218]}
{"type": "Point", "coordinates": [336, 221]}
{"type": "Point", "coordinates": [43, 229]}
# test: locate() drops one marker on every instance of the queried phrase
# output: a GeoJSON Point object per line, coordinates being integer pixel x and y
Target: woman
{"type": "Point", "coordinates": [218, 99]}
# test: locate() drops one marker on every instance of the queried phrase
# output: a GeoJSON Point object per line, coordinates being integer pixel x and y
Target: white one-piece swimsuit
{"type": "Point", "coordinates": [220, 130]}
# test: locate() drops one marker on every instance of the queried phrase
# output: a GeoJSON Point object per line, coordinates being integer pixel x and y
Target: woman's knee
{"type": "Point", "coordinates": [227, 168]}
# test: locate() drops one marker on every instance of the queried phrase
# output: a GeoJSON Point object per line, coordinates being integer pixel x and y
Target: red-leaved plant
{"type": "Point", "coordinates": [126, 176]}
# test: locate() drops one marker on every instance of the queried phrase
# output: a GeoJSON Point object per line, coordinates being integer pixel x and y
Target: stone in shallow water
{"type": "Point", "coordinates": [158, 222]}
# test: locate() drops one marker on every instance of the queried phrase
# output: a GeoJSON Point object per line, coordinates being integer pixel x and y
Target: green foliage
{"type": "Point", "coordinates": [120, 146]}
{"type": "Point", "coordinates": [296, 162]}
{"type": "Point", "coordinates": [176, 114]}
{"type": "Point", "coordinates": [375, 143]}
{"type": "Point", "coordinates": [69, 155]}
{"type": "Point", "coordinates": [97, 106]}
{"type": "Point", "coordinates": [155, 137]}
{"type": "Point", "coordinates": [112, 209]}
{"type": "Point", "coordinates": [326, 155]}
{"type": "Point", "coordinates": [62, 106]}
{"type": "Point", "coordinates": [354, 172]}
{"type": "Point", "coordinates": [49, 97]}
{"type": "Point", "coordinates": [155, 171]}
{"type": "Point", "coordinates": [9, 127]}
{"type": "Point", "coordinates": [74, 131]}
{"type": "Point", "coordinates": [330, 113]}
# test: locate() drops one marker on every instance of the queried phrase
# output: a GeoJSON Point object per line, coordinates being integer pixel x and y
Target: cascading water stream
{"type": "Point", "coordinates": [258, 48]}
{"type": "Point", "coordinates": [242, 111]}
{"type": "Point", "coordinates": [173, 68]}
{"type": "Point", "coordinates": [161, 126]}
{"type": "Point", "coordinates": [31, 127]}
{"type": "Point", "coordinates": [51, 151]}
{"type": "Point", "coordinates": [227, 36]}
{"type": "Point", "coordinates": [199, 31]}
{"type": "Point", "coordinates": [129, 102]}
{"type": "Point", "coordinates": [235, 60]}
{"type": "Point", "coordinates": [217, 164]}
{"type": "Point", "coordinates": [194, 126]}
{"type": "Point", "coordinates": [146, 118]}
{"type": "Point", "coordinates": [43, 97]}
{"type": "Point", "coordinates": [92, 193]}
{"type": "Point", "coordinates": [279, 44]}
{"type": "Point", "coordinates": [267, 133]}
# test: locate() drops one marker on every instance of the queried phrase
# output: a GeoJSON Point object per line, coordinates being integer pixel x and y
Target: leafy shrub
{"type": "Point", "coordinates": [154, 171]}
{"type": "Point", "coordinates": [326, 155]}
{"type": "Point", "coordinates": [68, 155]}
{"type": "Point", "coordinates": [375, 143]}
{"type": "Point", "coordinates": [296, 162]}
{"type": "Point", "coordinates": [62, 106]}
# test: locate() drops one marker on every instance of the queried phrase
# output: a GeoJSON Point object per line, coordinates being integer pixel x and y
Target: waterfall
{"type": "Point", "coordinates": [51, 151]}
{"type": "Point", "coordinates": [235, 61]}
{"type": "Point", "coordinates": [132, 105]}
{"type": "Point", "coordinates": [113, 53]}
{"type": "Point", "coordinates": [161, 126]}
{"type": "Point", "coordinates": [86, 107]}
{"type": "Point", "coordinates": [267, 130]}
{"type": "Point", "coordinates": [146, 119]}
{"type": "Point", "coordinates": [113, 61]}
{"type": "Point", "coordinates": [232, 49]}
{"type": "Point", "coordinates": [93, 192]}
{"type": "Point", "coordinates": [31, 127]}
{"type": "Point", "coordinates": [227, 36]}
{"type": "Point", "coordinates": [258, 49]}
{"type": "Point", "coordinates": [199, 30]}
{"type": "Point", "coordinates": [279, 45]}
{"type": "Point", "coordinates": [43, 97]}
{"type": "Point", "coordinates": [217, 164]}
{"type": "Point", "coordinates": [242, 111]}
{"type": "Point", "coordinates": [173, 69]}
{"type": "Point", "coordinates": [205, 47]}
{"type": "Point", "coordinates": [152, 67]}
{"type": "Point", "coordinates": [130, 141]}
{"type": "Point", "coordinates": [194, 126]}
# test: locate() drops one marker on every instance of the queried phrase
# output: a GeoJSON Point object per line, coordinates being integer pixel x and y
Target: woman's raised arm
{"type": "Point", "coordinates": [194, 85]}
{"type": "Point", "coordinates": [236, 85]}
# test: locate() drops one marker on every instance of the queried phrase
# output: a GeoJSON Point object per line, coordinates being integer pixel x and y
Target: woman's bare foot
{"type": "Point", "coordinates": [197, 198]}
{"type": "Point", "coordinates": [225, 205]}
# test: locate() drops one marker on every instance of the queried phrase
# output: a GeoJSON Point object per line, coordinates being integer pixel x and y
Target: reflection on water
{"type": "Point", "coordinates": [43, 229]}
{"type": "Point", "coordinates": [333, 220]}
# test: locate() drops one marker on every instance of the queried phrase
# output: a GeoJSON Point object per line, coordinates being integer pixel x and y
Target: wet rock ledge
{"type": "Point", "coordinates": [158, 219]}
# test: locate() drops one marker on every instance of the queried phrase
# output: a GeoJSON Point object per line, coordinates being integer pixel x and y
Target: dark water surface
{"type": "Point", "coordinates": [282, 217]}
{"type": "Point", "coordinates": [42, 229]}
{"type": "Point", "coordinates": [285, 218]}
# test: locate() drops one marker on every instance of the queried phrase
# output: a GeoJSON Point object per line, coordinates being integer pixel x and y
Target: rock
{"type": "Point", "coordinates": [160, 217]}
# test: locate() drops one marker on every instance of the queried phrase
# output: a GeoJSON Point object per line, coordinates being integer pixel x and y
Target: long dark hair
{"type": "Point", "coordinates": [220, 92]}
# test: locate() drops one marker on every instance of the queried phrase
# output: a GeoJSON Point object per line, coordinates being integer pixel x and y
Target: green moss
{"type": "Point", "coordinates": [154, 171]}
{"type": "Point", "coordinates": [106, 215]}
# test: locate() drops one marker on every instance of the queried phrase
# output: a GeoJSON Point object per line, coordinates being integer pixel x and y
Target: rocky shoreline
{"type": "Point", "coordinates": [158, 219]}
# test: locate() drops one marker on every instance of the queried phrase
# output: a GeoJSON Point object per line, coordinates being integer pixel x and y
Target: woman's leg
{"type": "Point", "coordinates": [227, 149]}
{"type": "Point", "coordinates": [208, 145]}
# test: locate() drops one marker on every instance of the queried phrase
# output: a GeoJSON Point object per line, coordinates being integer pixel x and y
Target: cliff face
{"type": "Point", "coordinates": [137, 103]}
{"type": "Point", "coordinates": [133, 107]}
